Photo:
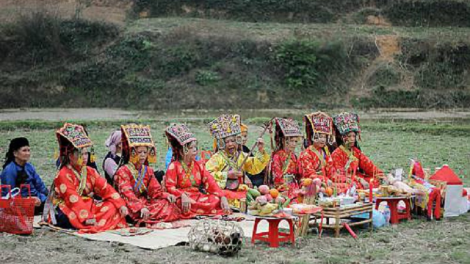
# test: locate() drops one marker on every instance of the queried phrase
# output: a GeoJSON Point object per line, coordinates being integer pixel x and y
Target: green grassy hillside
{"type": "Point", "coordinates": [243, 54]}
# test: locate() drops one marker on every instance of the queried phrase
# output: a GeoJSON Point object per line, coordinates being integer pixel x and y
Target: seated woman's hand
{"type": "Point", "coordinates": [90, 222]}
{"type": "Point", "coordinates": [144, 213]}
{"type": "Point", "coordinates": [260, 142]}
{"type": "Point", "coordinates": [233, 174]}
{"type": "Point", "coordinates": [225, 206]}
{"type": "Point", "coordinates": [37, 201]}
{"type": "Point", "coordinates": [123, 210]}
{"type": "Point", "coordinates": [186, 203]}
{"type": "Point", "coordinates": [171, 198]}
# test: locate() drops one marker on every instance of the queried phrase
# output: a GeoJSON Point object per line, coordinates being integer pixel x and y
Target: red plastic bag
{"type": "Point", "coordinates": [17, 213]}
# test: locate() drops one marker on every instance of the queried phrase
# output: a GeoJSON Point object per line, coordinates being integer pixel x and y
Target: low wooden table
{"type": "Point", "coordinates": [345, 213]}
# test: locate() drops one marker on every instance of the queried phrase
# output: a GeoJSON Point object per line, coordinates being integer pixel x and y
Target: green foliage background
{"type": "Point", "coordinates": [196, 60]}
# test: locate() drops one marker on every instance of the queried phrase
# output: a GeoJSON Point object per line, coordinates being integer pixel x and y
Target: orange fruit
{"type": "Point", "coordinates": [307, 182]}
{"type": "Point", "coordinates": [274, 193]}
{"type": "Point", "coordinates": [329, 191]}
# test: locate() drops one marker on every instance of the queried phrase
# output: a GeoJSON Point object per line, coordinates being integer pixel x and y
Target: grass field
{"type": "Point", "coordinates": [389, 143]}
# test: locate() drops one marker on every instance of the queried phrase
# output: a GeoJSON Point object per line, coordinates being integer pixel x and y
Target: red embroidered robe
{"type": "Point", "coordinates": [148, 193]}
{"type": "Point", "coordinates": [179, 181]}
{"type": "Point", "coordinates": [283, 165]}
{"type": "Point", "coordinates": [315, 163]}
{"type": "Point", "coordinates": [350, 166]}
{"type": "Point", "coordinates": [78, 205]}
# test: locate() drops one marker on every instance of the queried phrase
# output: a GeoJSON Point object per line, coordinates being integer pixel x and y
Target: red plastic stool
{"type": "Point", "coordinates": [273, 236]}
{"type": "Point", "coordinates": [392, 202]}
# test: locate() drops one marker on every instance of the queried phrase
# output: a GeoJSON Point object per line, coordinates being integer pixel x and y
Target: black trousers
{"type": "Point", "coordinates": [257, 179]}
{"type": "Point", "coordinates": [39, 209]}
{"type": "Point", "coordinates": [159, 175]}
{"type": "Point", "coordinates": [63, 220]}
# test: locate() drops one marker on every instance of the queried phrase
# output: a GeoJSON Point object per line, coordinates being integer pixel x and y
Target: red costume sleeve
{"type": "Point", "coordinates": [123, 180]}
{"type": "Point", "coordinates": [171, 180]}
{"type": "Point", "coordinates": [68, 192]}
{"type": "Point", "coordinates": [339, 160]}
{"type": "Point", "coordinates": [104, 190]}
{"type": "Point", "coordinates": [366, 164]}
{"type": "Point", "coordinates": [309, 163]}
{"type": "Point", "coordinates": [276, 169]}
{"type": "Point", "coordinates": [330, 169]}
{"type": "Point", "coordinates": [306, 167]}
{"type": "Point", "coordinates": [295, 165]}
{"type": "Point", "coordinates": [209, 182]}
{"type": "Point", "coordinates": [154, 189]}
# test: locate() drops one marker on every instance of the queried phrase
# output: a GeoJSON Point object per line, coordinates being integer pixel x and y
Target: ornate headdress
{"type": "Point", "coordinates": [319, 123]}
{"type": "Point", "coordinates": [288, 127]}
{"type": "Point", "coordinates": [347, 122]}
{"type": "Point", "coordinates": [134, 136]}
{"type": "Point", "coordinates": [285, 128]}
{"type": "Point", "coordinates": [180, 133]}
{"type": "Point", "coordinates": [225, 126]}
{"type": "Point", "coordinates": [72, 136]}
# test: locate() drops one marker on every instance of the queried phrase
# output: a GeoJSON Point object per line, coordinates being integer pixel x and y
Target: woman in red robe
{"type": "Point", "coordinates": [315, 160]}
{"type": "Point", "coordinates": [284, 164]}
{"type": "Point", "coordinates": [196, 190]}
{"type": "Point", "coordinates": [350, 164]}
{"type": "Point", "coordinates": [135, 181]}
{"type": "Point", "coordinates": [77, 185]}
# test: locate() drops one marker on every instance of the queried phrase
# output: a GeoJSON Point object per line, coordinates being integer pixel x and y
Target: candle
{"type": "Point", "coordinates": [241, 179]}
{"type": "Point", "coordinates": [350, 230]}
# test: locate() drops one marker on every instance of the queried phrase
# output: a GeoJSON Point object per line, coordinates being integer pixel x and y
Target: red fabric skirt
{"type": "Point", "coordinates": [205, 204]}
{"type": "Point", "coordinates": [106, 214]}
{"type": "Point", "coordinates": [161, 210]}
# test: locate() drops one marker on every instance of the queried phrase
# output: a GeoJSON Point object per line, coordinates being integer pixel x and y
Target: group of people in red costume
{"type": "Point", "coordinates": [130, 193]}
{"type": "Point", "coordinates": [331, 153]}
{"type": "Point", "coordinates": [84, 200]}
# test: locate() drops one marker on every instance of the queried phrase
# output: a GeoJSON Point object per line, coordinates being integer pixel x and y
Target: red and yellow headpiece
{"type": "Point", "coordinates": [134, 136]}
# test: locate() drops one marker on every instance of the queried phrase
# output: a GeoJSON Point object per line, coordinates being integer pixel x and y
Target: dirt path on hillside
{"type": "Point", "coordinates": [389, 46]}
{"type": "Point", "coordinates": [60, 114]}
